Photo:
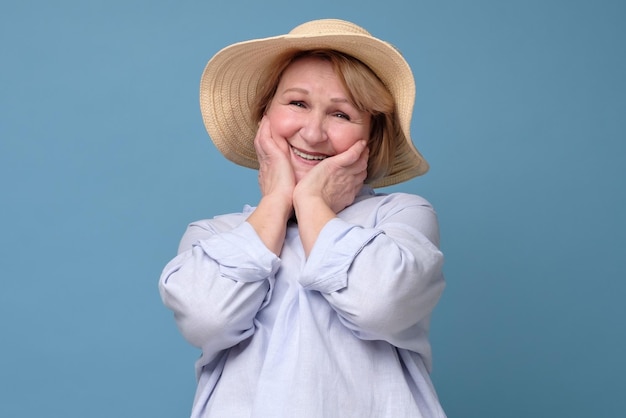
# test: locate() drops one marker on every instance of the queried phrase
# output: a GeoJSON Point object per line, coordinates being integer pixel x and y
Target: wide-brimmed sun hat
{"type": "Point", "coordinates": [229, 84]}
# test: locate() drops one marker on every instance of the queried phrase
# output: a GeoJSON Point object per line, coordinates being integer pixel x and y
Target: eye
{"type": "Point", "coordinates": [297, 103]}
{"type": "Point", "coordinates": [342, 115]}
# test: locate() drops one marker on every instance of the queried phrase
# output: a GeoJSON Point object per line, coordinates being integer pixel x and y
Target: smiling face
{"type": "Point", "coordinates": [311, 110]}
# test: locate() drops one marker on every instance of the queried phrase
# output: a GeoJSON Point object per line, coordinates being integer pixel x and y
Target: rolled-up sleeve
{"type": "Point", "coordinates": [383, 279]}
{"type": "Point", "coordinates": [337, 245]}
{"type": "Point", "coordinates": [216, 287]}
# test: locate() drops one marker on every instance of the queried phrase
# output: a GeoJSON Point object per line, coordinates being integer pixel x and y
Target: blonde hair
{"type": "Point", "coordinates": [366, 92]}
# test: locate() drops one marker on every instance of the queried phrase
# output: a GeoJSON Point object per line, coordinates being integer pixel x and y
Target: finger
{"type": "Point", "coordinates": [264, 143]}
{"type": "Point", "coordinates": [356, 152]}
{"type": "Point", "coordinates": [262, 136]}
{"type": "Point", "coordinates": [267, 142]}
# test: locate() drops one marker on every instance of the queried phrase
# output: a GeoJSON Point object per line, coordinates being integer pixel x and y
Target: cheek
{"type": "Point", "coordinates": [345, 137]}
{"type": "Point", "coordinates": [281, 122]}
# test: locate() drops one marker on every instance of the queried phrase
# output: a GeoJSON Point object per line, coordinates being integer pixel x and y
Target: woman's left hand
{"type": "Point", "coordinates": [327, 189]}
{"type": "Point", "coordinates": [337, 179]}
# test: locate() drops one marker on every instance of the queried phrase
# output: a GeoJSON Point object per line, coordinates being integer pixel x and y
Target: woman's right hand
{"type": "Point", "coordinates": [276, 176]}
{"type": "Point", "coordinates": [277, 182]}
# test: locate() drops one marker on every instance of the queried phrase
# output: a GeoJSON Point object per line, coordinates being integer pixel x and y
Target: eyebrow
{"type": "Point", "coordinates": [304, 91]}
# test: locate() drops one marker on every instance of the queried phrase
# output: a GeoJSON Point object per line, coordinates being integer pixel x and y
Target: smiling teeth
{"type": "Point", "coordinates": [307, 156]}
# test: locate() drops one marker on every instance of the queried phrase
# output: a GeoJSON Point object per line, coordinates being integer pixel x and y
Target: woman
{"type": "Point", "coordinates": [316, 302]}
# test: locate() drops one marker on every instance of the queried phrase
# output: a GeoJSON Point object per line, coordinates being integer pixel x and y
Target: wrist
{"type": "Point", "coordinates": [306, 206]}
{"type": "Point", "coordinates": [280, 206]}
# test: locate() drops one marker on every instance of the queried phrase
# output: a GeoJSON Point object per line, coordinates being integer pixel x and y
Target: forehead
{"type": "Point", "coordinates": [309, 67]}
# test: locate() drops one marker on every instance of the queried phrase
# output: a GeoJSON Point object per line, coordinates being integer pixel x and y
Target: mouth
{"type": "Point", "coordinates": [308, 157]}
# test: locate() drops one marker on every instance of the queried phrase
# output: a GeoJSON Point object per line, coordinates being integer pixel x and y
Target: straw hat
{"type": "Point", "coordinates": [229, 83]}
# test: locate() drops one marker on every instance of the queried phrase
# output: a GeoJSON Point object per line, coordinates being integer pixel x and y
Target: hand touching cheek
{"type": "Point", "coordinates": [276, 175]}
{"type": "Point", "coordinates": [277, 182]}
{"type": "Point", "coordinates": [336, 180]}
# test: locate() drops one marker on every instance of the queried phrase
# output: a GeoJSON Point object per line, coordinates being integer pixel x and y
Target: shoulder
{"type": "Point", "coordinates": [390, 201]}
{"type": "Point", "coordinates": [394, 212]}
{"type": "Point", "coordinates": [222, 223]}
{"type": "Point", "coordinates": [205, 228]}
{"type": "Point", "coordinates": [403, 199]}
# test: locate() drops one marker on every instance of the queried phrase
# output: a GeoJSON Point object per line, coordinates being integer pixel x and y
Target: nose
{"type": "Point", "coordinates": [313, 128]}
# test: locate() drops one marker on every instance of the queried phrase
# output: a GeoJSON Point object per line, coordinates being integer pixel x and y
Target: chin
{"type": "Point", "coordinates": [300, 175]}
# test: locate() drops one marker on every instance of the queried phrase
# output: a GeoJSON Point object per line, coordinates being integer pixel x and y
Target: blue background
{"type": "Point", "coordinates": [521, 111]}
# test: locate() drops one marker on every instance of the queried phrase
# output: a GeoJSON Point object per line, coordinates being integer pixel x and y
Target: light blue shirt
{"type": "Point", "coordinates": [343, 333]}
